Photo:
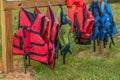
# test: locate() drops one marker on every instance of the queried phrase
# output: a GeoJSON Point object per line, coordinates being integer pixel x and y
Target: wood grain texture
{"type": "Point", "coordinates": [101, 48]}
{"type": "Point", "coordinates": [6, 22]}
{"type": "Point", "coordinates": [31, 3]}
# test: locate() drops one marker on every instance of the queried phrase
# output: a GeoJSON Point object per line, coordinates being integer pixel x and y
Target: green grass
{"type": "Point", "coordinates": [83, 68]}
{"type": "Point", "coordinates": [116, 12]}
{"type": "Point", "coordinates": [90, 66]}
{"type": "Point", "coordinates": [80, 68]}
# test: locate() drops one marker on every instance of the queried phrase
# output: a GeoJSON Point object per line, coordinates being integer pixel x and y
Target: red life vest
{"type": "Point", "coordinates": [50, 33]}
{"type": "Point", "coordinates": [19, 35]}
{"type": "Point", "coordinates": [88, 20]}
{"type": "Point", "coordinates": [36, 10]}
{"type": "Point", "coordinates": [78, 4]}
{"type": "Point", "coordinates": [28, 40]}
{"type": "Point", "coordinates": [84, 36]}
{"type": "Point", "coordinates": [46, 36]}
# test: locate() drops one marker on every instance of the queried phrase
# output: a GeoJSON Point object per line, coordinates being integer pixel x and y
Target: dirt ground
{"type": "Point", "coordinates": [118, 36]}
{"type": "Point", "coordinates": [18, 73]}
{"type": "Point", "coordinates": [83, 54]}
{"type": "Point", "coordinates": [93, 55]}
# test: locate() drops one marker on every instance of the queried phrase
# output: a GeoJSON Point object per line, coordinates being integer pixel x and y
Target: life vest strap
{"type": "Point", "coordinates": [26, 59]}
{"type": "Point", "coordinates": [27, 28]}
{"type": "Point", "coordinates": [111, 37]}
{"type": "Point", "coordinates": [15, 46]}
{"type": "Point", "coordinates": [20, 43]}
{"type": "Point", "coordinates": [78, 40]}
{"type": "Point", "coordinates": [85, 38]}
{"type": "Point", "coordinates": [63, 18]}
{"type": "Point", "coordinates": [70, 51]}
{"type": "Point", "coordinates": [64, 55]}
{"type": "Point", "coordinates": [42, 25]}
{"type": "Point", "coordinates": [112, 41]}
{"type": "Point", "coordinates": [33, 43]}
{"type": "Point", "coordinates": [49, 55]}
{"type": "Point", "coordinates": [19, 37]}
{"type": "Point", "coordinates": [52, 16]}
{"type": "Point", "coordinates": [94, 46]}
{"type": "Point", "coordinates": [38, 54]}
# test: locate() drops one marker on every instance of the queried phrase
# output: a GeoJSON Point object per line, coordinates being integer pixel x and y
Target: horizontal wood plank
{"type": "Point", "coordinates": [30, 3]}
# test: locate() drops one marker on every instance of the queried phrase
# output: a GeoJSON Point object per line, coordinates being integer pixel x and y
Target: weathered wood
{"type": "Point", "coordinates": [101, 47]}
{"type": "Point", "coordinates": [6, 22]}
{"type": "Point", "coordinates": [31, 3]}
{"type": "Point", "coordinates": [96, 45]}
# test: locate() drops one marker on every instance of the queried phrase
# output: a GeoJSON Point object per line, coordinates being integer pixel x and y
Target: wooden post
{"type": "Point", "coordinates": [101, 47]}
{"type": "Point", "coordinates": [6, 22]}
{"type": "Point", "coordinates": [101, 44]}
{"type": "Point", "coordinates": [96, 45]}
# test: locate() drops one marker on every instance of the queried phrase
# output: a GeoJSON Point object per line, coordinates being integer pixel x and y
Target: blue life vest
{"type": "Point", "coordinates": [104, 25]}
{"type": "Point", "coordinates": [95, 10]}
{"type": "Point", "coordinates": [108, 25]}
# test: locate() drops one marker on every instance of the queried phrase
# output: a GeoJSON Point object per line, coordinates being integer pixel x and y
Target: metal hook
{"type": "Point", "coordinates": [22, 5]}
{"type": "Point", "coordinates": [60, 2]}
{"type": "Point", "coordinates": [36, 4]}
{"type": "Point", "coordinates": [49, 3]}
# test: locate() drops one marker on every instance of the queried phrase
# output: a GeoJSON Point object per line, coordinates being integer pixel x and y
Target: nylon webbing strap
{"type": "Point", "coordinates": [112, 41]}
{"type": "Point", "coordinates": [26, 59]}
{"type": "Point", "coordinates": [64, 55]}
{"type": "Point", "coordinates": [33, 43]}
{"type": "Point", "coordinates": [27, 28]}
{"type": "Point", "coordinates": [94, 45]}
{"type": "Point", "coordinates": [42, 25]}
{"type": "Point", "coordinates": [20, 43]}
{"type": "Point", "coordinates": [111, 37]}
{"type": "Point", "coordinates": [70, 51]}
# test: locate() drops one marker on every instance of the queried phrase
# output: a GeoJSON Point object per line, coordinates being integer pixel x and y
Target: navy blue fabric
{"type": "Point", "coordinates": [63, 21]}
{"type": "Point", "coordinates": [63, 18]}
{"type": "Point", "coordinates": [104, 25]}
{"type": "Point", "coordinates": [31, 16]}
{"type": "Point", "coordinates": [66, 49]}
{"type": "Point", "coordinates": [108, 24]}
{"type": "Point", "coordinates": [95, 10]}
